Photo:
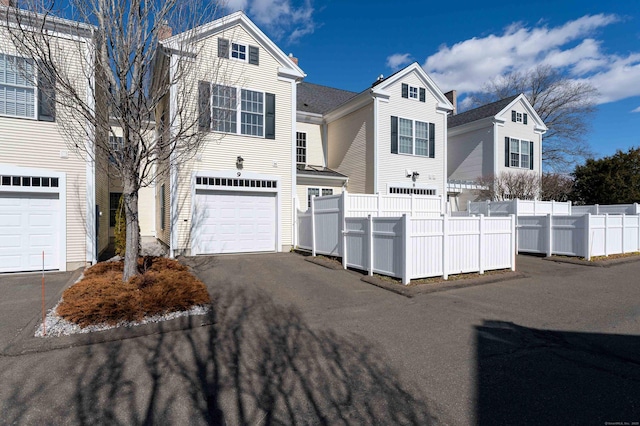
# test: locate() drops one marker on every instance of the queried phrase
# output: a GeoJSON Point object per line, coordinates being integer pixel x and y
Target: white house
{"type": "Point", "coordinates": [503, 136]}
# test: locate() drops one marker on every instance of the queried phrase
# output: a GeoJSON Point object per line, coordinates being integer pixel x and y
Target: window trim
{"type": "Point", "coordinates": [301, 137]}
{"type": "Point", "coordinates": [413, 137]}
{"type": "Point", "coordinates": [519, 153]}
{"type": "Point", "coordinates": [34, 87]}
{"type": "Point", "coordinates": [238, 111]}
{"type": "Point", "coordinates": [232, 50]}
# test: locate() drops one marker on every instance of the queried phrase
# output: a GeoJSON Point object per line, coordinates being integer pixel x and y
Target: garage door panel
{"type": "Point", "coordinates": [30, 226]}
{"type": "Point", "coordinates": [234, 222]}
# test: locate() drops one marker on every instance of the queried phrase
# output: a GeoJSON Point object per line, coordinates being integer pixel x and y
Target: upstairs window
{"type": "Point", "coordinates": [252, 113]}
{"type": "Point", "coordinates": [17, 89]}
{"type": "Point", "coordinates": [412, 137]}
{"type": "Point", "coordinates": [519, 117]}
{"type": "Point", "coordinates": [518, 153]}
{"type": "Point", "coordinates": [414, 92]}
{"type": "Point", "coordinates": [116, 146]}
{"type": "Point", "coordinates": [239, 51]}
{"type": "Point", "coordinates": [301, 148]}
{"type": "Point", "coordinates": [223, 106]}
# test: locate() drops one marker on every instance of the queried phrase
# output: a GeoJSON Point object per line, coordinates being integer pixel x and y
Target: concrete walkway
{"type": "Point", "coordinates": [290, 342]}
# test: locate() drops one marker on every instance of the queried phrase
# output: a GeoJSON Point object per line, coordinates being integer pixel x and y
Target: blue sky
{"type": "Point", "coordinates": [462, 44]}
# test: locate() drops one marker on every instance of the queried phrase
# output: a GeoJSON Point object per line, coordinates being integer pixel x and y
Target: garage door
{"type": "Point", "coordinates": [234, 222]}
{"type": "Point", "coordinates": [29, 225]}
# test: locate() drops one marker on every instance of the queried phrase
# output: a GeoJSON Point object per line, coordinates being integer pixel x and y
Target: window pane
{"type": "Point", "coordinates": [252, 107]}
{"type": "Point", "coordinates": [524, 154]}
{"type": "Point", "coordinates": [310, 192]}
{"type": "Point", "coordinates": [327, 191]}
{"type": "Point", "coordinates": [17, 94]}
{"type": "Point", "coordinates": [223, 105]}
{"type": "Point", "coordinates": [301, 147]}
{"type": "Point", "coordinates": [422, 140]}
{"type": "Point", "coordinates": [405, 136]}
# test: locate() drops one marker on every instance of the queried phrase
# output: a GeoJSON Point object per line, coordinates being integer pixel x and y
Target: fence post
{"type": "Point", "coordinates": [343, 212]}
{"type": "Point", "coordinates": [637, 208]}
{"type": "Point", "coordinates": [488, 207]}
{"type": "Point", "coordinates": [570, 208]}
{"type": "Point", "coordinates": [469, 207]}
{"type": "Point", "coordinates": [553, 207]}
{"type": "Point", "coordinates": [549, 235]}
{"type": "Point", "coordinates": [413, 206]}
{"type": "Point", "coordinates": [481, 245]}
{"type": "Point", "coordinates": [345, 202]}
{"type": "Point", "coordinates": [514, 244]}
{"type": "Point", "coordinates": [296, 221]}
{"type": "Point", "coordinates": [379, 204]}
{"type": "Point", "coordinates": [597, 209]}
{"type": "Point", "coordinates": [606, 234]}
{"type": "Point", "coordinates": [445, 247]}
{"type": "Point", "coordinates": [624, 216]}
{"type": "Point", "coordinates": [516, 205]}
{"type": "Point", "coordinates": [408, 256]}
{"type": "Point", "coordinates": [587, 241]}
{"type": "Point", "coordinates": [313, 225]}
{"type": "Point", "coordinates": [370, 238]}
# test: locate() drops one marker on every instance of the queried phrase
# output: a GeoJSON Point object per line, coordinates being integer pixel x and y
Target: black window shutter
{"type": "Point", "coordinates": [524, 118]}
{"type": "Point", "coordinates": [254, 55]}
{"type": "Point", "coordinates": [394, 135]}
{"type": "Point", "coordinates": [507, 156]}
{"type": "Point", "coordinates": [270, 116]}
{"type": "Point", "coordinates": [513, 116]}
{"type": "Point", "coordinates": [204, 105]}
{"type": "Point", "coordinates": [223, 48]}
{"type": "Point", "coordinates": [432, 140]}
{"type": "Point", "coordinates": [405, 90]}
{"type": "Point", "coordinates": [423, 94]}
{"type": "Point", "coordinates": [531, 155]}
{"type": "Point", "coordinates": [46, 94]}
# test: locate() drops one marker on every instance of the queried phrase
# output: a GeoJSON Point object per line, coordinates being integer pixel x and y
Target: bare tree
{"type": "Point", "coordinates": [509, 185]}
{"type": "Point", "coordinates": [556, 187]}
{"type": "Point", "coordinates": [127, 83]}
{"type": "Point", "coordinates": [566, 107]}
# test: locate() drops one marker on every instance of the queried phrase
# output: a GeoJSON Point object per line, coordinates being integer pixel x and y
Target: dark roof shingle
{"type": "Point", "coordinates": [320, 99]}
{"type": "Point", "coordinates": [305, 169]}
{"type": "Point", "coordinates": [484, 111]}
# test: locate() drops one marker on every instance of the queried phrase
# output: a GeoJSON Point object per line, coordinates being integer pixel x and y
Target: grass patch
{"type": "Point", "coordinates": [101, 297]}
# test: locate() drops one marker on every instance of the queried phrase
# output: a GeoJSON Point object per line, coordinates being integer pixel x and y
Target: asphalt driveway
{"type": "Point", "coordinates": [289, 341]}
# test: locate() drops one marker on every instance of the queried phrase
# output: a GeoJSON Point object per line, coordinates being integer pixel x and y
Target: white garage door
{"type": "Point", "coordinates": [29, 225]}
{"type": "Point", "coordinates": [234, 222]}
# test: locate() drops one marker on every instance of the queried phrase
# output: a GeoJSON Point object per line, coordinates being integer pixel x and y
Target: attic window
{"type": "Point", "coordinates": [413, 92]}
{"type": "Point", "coordinates": [519, 117]}
{"type": "Point", "coordinates": [239, 51]}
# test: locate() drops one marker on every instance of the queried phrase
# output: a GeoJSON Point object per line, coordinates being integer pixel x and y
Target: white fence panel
{"type": "Point", "coordinates": [463, 245]}
{"type": "Point", "coordinates": [568, 235]}
{"type": "Point", "coordinates": [532, 234]}
{"type": "Point", "coordinates": [362, 205]}
{"type": "Point", "coordinates": [426, 247]}
{"type": "Point", "coordinates": [357, 242]}
{"type": "Point", "coordinates": [328, 223]}
{"type": "Point", "coordinates": [520, 208]}
{"type": "Point", "coordinates": [388, 246]}
{"type": "Point", "coordinates": [499, 245]}
{"type": "Point", "coordinates": [305, 238]}
{"type": "Point", "coordinates": [597, 236]}
{"type": "Point", "coordinates": [596, 209]}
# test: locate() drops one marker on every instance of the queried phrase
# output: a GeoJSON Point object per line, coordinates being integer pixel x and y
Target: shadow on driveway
{"type": "Point", "coordinates": [259, 363]}
{"type": "Point", "coordinates": [527, 376]}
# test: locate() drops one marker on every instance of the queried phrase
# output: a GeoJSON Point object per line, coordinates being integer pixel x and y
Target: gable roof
{"type": "Point", "coordinates": [177, 43]}
{"type": "Point", "coordinates": [484, 111]}
{"type": "Point", "coordinates": [320, 99]}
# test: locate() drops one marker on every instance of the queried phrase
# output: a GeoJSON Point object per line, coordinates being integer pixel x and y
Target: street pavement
{"type": "Point", "coordinates": [291, 342]}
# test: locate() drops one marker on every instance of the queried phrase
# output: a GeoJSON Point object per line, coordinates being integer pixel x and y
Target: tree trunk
{"type": "Point", "coordinates": [133, 230]}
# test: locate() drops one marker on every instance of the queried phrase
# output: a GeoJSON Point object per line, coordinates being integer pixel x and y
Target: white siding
{"type": "Point", "coordinates": [470, 154]}
{"type": "Point", "coordinates": [43, 145]}
{"type": "Point", "coordinates": [391, 167]}
{"type": "Point", "coordinates": [518, 131]}
{"type": "Point", "coordinates": [350, 140]}
{"type": "Point", "coordinates": [315, 148]}
{"type": "Point", "coordinates": [265, 156]}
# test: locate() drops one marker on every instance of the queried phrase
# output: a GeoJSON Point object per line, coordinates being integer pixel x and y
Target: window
{"type": "Point", "coordinates": [116, 146]}
{"type": "Point", "coordinates": [412, 137]}
{"type": "Point", "coordinates": [114, 201]}
{"type": "Point", "coordinates": [239, 51]}
{"type": "Point", "coordinates": [519, 117]}
{"type": "Point", "coordinates": [17, 89]}
{"type": "Point", "coordinates": [416, 191]}
{"type": "Point", "coordinates": [252, 113]}
{"type": "Point", "coordinates": [520, 153]}
{"type": "Point", "coordinates": [38, 181]}
{"type": "Point", "coordinates": [316, 192]}
{"type": "Point", "coordinates": [301, 148]}
{"type": "Point", "coordinates": [223, 106]}
{"type": "Point", "coordinates": [413, 92]}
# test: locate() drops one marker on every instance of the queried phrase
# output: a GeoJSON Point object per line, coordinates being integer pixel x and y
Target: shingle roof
{"type": "Point", "coordinates": [318, 171]}
{"type": "Point", "coordinates": [320, 99]}
{"type": "Point", "coordinates": [488, 110]}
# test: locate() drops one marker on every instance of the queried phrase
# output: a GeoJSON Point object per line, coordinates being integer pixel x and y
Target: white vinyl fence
{"type": "Point", "coordinates": [607, 209]}
{"type": "Point", "coordinates": [407, 247]}
{"type": "Point", "coordinates": [519, 208]}
{"type": "Point", "coordinates": [584, 236]}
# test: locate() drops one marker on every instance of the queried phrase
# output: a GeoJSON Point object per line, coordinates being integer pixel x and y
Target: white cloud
{"type": "Point", "coordinates": [572, 48]}
{"type": "Point", "coordinates": [398, 60]}
{"type": "Point", "coordinates": [283, 19]}
{"type": "Point", "coordinates": [636, 110]}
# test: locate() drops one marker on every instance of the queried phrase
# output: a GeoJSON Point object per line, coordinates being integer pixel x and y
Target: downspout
{"type": "Point", "coordinates": [375, 144]}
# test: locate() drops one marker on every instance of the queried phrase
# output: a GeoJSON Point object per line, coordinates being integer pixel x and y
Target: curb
{"type": "Point", "coordinates": [596, 263]}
